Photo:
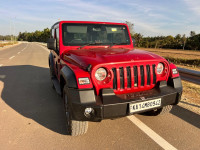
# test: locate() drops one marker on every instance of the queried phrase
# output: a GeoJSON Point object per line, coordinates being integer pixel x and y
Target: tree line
{"type": "Point", "coordinates": [7, 37]}
{"type": "Point", "coordinates": [37, 36]}
{"type": "Point", "coordinates": [171, 42]}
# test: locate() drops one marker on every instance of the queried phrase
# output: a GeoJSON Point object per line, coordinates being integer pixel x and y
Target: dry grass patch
{"type": "Point", "coordinates": [185, 54]}
{"type": "Point", "coordinates": [183, 58]}
{"type": "Point", "coordinates": [191, 97]}
{"type": "Point", "coordinates": [6, 44]}
{"type": "Point", "coordinates": [191, 92]}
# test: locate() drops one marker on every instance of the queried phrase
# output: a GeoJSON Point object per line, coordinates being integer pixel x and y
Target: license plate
{"type": "Point", "coordinates": [144, 105]}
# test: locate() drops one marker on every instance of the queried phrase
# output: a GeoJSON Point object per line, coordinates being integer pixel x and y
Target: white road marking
{"type": "Point", "coordinates": [12, 57]}
{"type": "Point", "coordinates": [44, 48]}
{"type": "Point", "coordinates": [18, 52]}
{"type": "Point", "coordinates": [24, 47]}
{"type": "Point", "coordinates": [154, 136]}
{"type": "Point", "coordinates": [1, 65]}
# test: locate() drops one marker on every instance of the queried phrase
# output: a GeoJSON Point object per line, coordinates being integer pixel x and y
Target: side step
{"type": "Point", "coordinates": [56, 85]}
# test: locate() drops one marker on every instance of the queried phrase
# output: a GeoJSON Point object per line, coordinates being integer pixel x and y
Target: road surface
{"type": "Point", "coordinates": [32, 116]}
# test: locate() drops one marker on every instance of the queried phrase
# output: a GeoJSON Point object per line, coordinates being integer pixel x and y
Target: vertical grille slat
{"type": "Point", "coordinates": [118, 78]}
{"type": "Point", "coordinates": [148, 75]}
{"type": "Point", "coordinates": [121, 71]}
{"type": "Point", "coordinates": [134, 76]}
{"type": "Point", "coordinates": [115, 78]}
{"type": "Point", "coordinates": [142, 75]}
{"type": "Point", "coordinates": [128, 77]}
{"type": "Point", "coordinates": [154, 74]}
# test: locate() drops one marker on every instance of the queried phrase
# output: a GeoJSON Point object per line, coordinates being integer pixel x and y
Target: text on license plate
{"type": "Point", "coordinates": [144, 105]}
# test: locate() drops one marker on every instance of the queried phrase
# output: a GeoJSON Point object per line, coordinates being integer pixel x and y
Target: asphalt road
{"type": "Point", "coordinates": [32, 116]}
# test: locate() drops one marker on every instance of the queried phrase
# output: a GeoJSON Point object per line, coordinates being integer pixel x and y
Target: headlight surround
{"type": "Point", "coordinates": [160, 68]}
{"type": "Point", "coordinates": [101, 74]}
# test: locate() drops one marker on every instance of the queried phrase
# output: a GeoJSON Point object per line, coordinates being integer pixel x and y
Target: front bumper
{"type": "Point", "coordinates": [110, 106]}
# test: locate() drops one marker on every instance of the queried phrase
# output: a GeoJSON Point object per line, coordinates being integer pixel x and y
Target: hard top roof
{"type": "Point", "coordinates": [87, 22]}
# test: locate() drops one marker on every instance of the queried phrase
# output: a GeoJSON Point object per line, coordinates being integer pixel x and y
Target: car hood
{"type": "Point", "coordinates": [95, 56]}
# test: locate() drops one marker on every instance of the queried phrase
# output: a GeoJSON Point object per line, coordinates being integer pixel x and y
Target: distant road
{"type": "Point", "coordinates": [32, 116]}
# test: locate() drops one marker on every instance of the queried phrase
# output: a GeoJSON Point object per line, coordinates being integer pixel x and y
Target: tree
{"type": "Point", "coordinates": [192, 33]}
{"type": "Point", "coordinates": [37, 36]}
{"type": "Point", "coordinates": [138, 39]}
{"type": "Point", "coordinates": [184, 40]}
{"type": "Point", "coordinates": [178, 41]}
{"type": "Point", "coordinates": [130, 26]}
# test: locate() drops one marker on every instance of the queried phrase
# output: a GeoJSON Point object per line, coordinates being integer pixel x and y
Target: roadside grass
{"type": "Point", "coordinates": [6, 44]}
{"type": "Point", "coordinates": [194, 62]}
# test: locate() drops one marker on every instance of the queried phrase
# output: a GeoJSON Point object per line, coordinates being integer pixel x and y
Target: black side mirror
{"type": "Point", "coordinates": [51, 43]}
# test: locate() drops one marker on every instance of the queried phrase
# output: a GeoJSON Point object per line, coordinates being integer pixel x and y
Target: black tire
{"type": "Point", "coordinates": [52, 73]}
{"type": "Point", "coordinates": [160, 111]}
{"type": "Point", "coordinates": [74, 128]}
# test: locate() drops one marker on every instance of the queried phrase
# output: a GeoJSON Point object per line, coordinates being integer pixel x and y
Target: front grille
{"type": "Point", "coordinates": [134, 76]}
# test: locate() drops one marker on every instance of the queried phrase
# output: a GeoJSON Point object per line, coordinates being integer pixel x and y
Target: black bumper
{"type": "Point", "coordinates": [110, 106]}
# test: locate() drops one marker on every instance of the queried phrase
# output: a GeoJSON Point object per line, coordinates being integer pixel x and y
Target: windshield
{"type": "Point", "coordinates": [98, 34]}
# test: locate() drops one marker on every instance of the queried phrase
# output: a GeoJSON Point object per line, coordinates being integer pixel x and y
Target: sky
{"type": "Point", "coordinates": [150, 17]}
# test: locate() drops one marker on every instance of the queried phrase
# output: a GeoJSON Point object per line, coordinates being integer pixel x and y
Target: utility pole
{"type": "Point", "coordinates": [13, 31]}
{"type": "Point", "coordinates": [14, 28]}
{"type": "Point", "coordinates": [10, 32]}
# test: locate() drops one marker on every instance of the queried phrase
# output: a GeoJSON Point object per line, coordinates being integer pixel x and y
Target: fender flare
{"type": "Point", "coordinates": [50, 59]}
{"type": "Point", "coordinates": [69, 77]}
{"type": "Point", "coordinates": [51, 66]}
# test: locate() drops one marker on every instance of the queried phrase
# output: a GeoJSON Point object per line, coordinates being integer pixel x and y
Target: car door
{"type": "Point", "coordinates": [56, 55]}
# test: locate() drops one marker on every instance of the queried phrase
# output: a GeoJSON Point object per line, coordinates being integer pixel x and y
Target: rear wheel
{"type": "Point", "coordinates": [74, 128]}
{"type": "Point", "coordinates": [160, 111]}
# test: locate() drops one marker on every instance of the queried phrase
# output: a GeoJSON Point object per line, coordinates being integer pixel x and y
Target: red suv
{"type": "Point", "coordinates": [99, 74]}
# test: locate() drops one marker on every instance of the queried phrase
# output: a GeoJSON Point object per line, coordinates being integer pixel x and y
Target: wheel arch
{"type": "Point", "coordinates": [67, 76]}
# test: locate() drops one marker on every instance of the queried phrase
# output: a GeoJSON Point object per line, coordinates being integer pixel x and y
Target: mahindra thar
{"type": "Point", "coordinates": [100, 75]}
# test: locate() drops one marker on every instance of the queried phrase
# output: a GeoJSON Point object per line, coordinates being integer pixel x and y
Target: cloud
{"type": "Point", "coordinates": [149, 17]}
{"type": "Point", "coordinates": [97, 12]}
{"type": "Point", "coordinates": [194, 5]}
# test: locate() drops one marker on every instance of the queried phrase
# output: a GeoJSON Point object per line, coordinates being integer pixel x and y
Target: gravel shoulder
{"type": "Point", "coordinates": [191, 97]}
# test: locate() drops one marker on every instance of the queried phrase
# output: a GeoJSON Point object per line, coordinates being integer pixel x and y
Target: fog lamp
{"type": "Point", "coordinates": [88, 112]}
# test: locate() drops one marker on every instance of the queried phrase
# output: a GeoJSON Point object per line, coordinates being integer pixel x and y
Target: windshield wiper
{"type": "Point", "coordinates": [113, 44]}
{"type": "Point", "coordinates": [95, 43]}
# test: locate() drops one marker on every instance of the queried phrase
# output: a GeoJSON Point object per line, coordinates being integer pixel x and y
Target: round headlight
{"type": "Point", "coordinates": [101, 74]}
{"type": "Point", "coordinates": [160, 68]}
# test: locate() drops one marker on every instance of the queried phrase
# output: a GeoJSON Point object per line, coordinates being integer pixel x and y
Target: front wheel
{"type": "Point", "coordinates": [52, 74]}
{"type": "Point", "coordinates": [74, 128]}
{"type": "Point", "coordinates": [160, 111]}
